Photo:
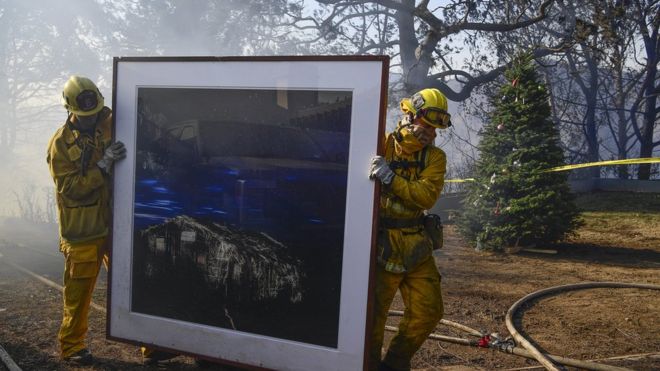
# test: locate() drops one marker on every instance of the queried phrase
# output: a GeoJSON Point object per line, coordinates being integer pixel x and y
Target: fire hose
{"type": "Point", "coordinates": [525, 348]}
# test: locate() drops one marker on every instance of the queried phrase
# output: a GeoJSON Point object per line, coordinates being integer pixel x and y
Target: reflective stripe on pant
{"type": "Point", "coordinates": [422, 297]}
{"type": "Point", "coordinates": [82, 262]}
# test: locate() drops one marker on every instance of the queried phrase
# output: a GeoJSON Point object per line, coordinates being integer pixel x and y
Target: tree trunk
{"type": "Point", "coordinates": [650, 101]}
{"type": "Point", "coordinates": [646, 148]}
{"type": "Point", "coordinates": [649, 88]}
{"type": "Point", "coordinates": [622, 133]}
{"type": "Point", "coordinates": [591, 132]}
{"type": "Point", "coordinates": [415, 61]}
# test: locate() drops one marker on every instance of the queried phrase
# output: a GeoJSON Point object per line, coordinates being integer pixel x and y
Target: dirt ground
{"type": "Point", "coordinates": [478, 290]}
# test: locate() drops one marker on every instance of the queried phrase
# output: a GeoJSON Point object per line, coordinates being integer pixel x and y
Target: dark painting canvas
{"type": "Point", "coordinates": [243, 217]}
{"type": "Point", "coordinates": [239, 209]}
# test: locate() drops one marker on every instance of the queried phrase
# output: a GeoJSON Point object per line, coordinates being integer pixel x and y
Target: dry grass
{"type": "Point", "coordinates": [643, 203]}
{"type": "Point", "coordinates": [620, 219]}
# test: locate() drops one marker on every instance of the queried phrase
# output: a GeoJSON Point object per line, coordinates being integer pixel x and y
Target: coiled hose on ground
{"type": "Point", "coordinates": [528, 350]}
{"type": "Point", "coordinates": [542, 358]}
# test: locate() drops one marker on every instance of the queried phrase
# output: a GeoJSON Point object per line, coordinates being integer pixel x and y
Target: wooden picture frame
{"type": "Point", "coordinates": [243, 225]}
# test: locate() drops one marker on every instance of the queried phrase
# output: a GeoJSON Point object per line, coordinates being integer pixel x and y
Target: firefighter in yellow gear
{"type": "Point", "coordinates": [412, 175]}
{"type": "Point", "coordinates": [80, 158]}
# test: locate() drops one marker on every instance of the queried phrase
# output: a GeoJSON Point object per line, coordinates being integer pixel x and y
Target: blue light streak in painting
{"type": "Point", "coordinates": [149, 182]}
{"type": "Point", "coordinates": [161, 190]}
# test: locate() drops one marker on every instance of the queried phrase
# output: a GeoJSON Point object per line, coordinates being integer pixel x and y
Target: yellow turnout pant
{"type": "Point", "coordinates": [82, 262]}
{"type": "Point", "coordinates": [422, 297]}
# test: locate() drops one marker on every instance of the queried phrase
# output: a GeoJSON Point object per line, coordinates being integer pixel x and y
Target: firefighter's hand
{"type": "Point", "coordinates": [380, 169]}
{"type": "Point", "coordinates": [115, 152]}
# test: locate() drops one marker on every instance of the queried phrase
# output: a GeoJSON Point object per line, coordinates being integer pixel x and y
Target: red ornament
{"type": "Point", "coordinates": [514, 82]}
{"type": "Point", "coordinates": [496, 212]}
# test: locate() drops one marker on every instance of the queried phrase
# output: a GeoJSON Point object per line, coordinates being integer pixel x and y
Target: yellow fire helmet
{"type": "Point", "coordinates": [81, 97]}
{"type": "Point", "coordinates": [430, 105]}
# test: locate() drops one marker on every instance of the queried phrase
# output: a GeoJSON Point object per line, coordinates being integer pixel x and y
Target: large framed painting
{"type": "Point", "coordinates": [243, 227]}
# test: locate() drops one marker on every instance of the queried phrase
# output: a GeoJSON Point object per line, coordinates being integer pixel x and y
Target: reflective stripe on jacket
{"type": "Point", "coordinates": [82, 195]}
{"type": "Point", "coordinates": [413, 190]}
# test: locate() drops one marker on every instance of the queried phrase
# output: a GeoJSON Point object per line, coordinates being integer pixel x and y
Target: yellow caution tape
{"type": "Point", "coordinates": [630, 161]}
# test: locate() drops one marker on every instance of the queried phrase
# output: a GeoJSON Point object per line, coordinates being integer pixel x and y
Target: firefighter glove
{"type": "Point", "coordinates": [116, 151]}
{"type": "Point", "coordinates": [380, 169]}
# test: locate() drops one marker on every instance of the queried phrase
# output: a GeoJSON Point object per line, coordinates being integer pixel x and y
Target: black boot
{"type": "Point", "coordinates": [82, 357]}
{"type": "Point", "coordinates": [384, 367]}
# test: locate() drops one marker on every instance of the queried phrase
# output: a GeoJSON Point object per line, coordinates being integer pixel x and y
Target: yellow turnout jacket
{"type": "Point", "coordinates": [415, 188]}
{"type": "Point", "coordinates": [82, 189]}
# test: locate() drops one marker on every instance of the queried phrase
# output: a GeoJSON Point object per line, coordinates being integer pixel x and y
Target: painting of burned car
{"type": "Point", "coordinates": [239, 208]}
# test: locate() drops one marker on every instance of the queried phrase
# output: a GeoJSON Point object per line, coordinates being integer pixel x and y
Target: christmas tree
{"type": "Point", "coordinates": [513, 200]}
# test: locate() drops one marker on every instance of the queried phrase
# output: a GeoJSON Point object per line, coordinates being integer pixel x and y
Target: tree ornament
{"type": "Point", "coordinates": [497, 211]}
{"type": "Point", "coordinates": [500, 127]}
{"type": "Point", "coordinates": [514, 82]}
